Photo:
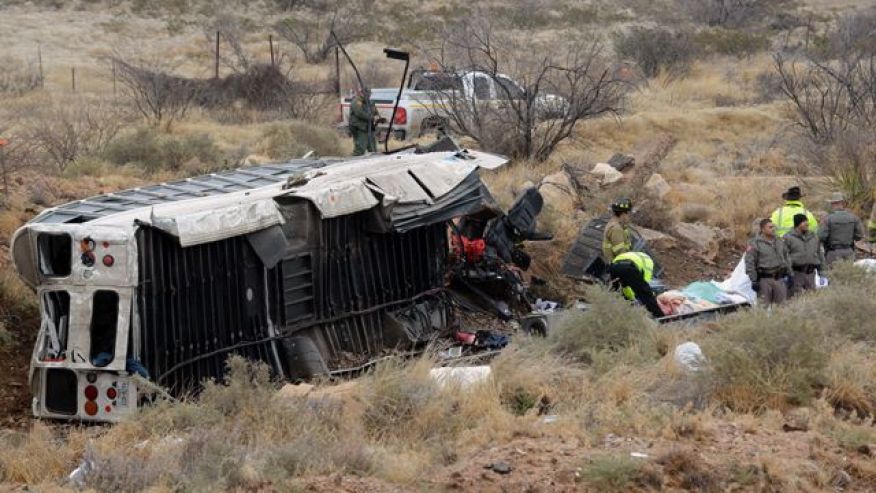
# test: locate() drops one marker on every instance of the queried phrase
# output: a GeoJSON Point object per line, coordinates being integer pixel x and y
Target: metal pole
{"type": "Point", "coordinates": [114, 77]}
{"type": "Point", "coordinates": [271, 42]}
{"type": "Point", "coordinates": [395, 107]}
{"type": "Point", "coordinates": [337, 71]}
{"type": "Point", "coordinates": [40, 57]}
{"type": "Point", "coordinates": [73, 77]}
{"type": "Point", "coordinates": [216, 72]}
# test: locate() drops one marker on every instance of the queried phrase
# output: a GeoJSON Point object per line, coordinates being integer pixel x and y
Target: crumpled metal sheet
{"type": "Point", "coordinates": [204, 226]}
{"type": "Point", "coordinates": [434, 175]}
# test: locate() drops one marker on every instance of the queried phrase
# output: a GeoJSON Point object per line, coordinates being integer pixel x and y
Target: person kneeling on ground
{"type": "Point", "coordinates": [767, 265]}
{"type": "Point", "coordinates": [806, 255]}
{"type": "Point", "coordinates": [632, 271]}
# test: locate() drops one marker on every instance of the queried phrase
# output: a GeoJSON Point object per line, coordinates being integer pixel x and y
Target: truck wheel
{"type": "Point", "coordinates": [303, 359]}
{"type": "Point", "coordinates": [433, 125]}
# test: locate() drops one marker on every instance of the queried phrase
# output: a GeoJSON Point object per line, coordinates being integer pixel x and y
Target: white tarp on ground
{"type": "Point", "coordinates": [739, 283]}
{"type": "Point", "coordinates": [867, 264]}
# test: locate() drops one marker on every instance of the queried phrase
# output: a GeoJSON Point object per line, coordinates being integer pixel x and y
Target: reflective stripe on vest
{"type": "Point", "coordinates": [642, 262]}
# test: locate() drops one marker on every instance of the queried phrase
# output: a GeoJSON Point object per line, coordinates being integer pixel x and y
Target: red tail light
{"type": "Point", "coordinates": [108, 260]}
{"type": "Point", "coordinates": [111, 393]}
{"type": "Point", "coordinates": [401, 116]}
{"type": "Point", "coordinates": [91, 392]}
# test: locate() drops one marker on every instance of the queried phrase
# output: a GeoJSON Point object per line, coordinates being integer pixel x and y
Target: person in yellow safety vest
{"type": "Point", "coordinates": [632, 271]}
{"type": "Point", "coordinates": [871, 225]}
{"type": "Point", "coordinates": [616, 238]}
{"type": "Point", "coordinates": [783, 217]}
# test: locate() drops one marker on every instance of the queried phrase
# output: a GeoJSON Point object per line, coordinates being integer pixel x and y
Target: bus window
{"type": "Point", "coordinates": [56, 321]}
{"type": "Point", "coordinates": [104, 320]}
{"type": "Point", "coordinates": [55, 254]}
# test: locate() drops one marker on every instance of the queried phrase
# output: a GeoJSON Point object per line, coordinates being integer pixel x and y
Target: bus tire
{"type": "Point", "coordinates": [303, 359]}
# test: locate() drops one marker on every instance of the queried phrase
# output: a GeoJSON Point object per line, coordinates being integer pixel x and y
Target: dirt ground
{"type": "Point", "coordinates": [732, 456]}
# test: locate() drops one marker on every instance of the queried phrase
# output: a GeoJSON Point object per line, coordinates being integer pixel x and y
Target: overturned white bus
{"type": "Point", "coordinates": [309, 266]}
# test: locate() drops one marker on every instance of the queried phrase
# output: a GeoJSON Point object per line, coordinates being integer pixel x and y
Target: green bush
{"type": "Point", "coordinates": [611, 331]}
{"type": "Point", "coordinates": [763, 359]}
{"type": "Point", "coordinates": [295, 139]}
{"type": "Point", "coordinates": [657, 50]}
{"type": "Point", "coordinates": [613, 473]}
{"type": "Point", "coordinates": [731, 42]}
{"type": "Point", "coordinates": [154, 152]}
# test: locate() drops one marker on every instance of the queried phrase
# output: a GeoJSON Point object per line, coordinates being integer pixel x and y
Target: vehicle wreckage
{"type": "Point", "coordinates": [308, 266]}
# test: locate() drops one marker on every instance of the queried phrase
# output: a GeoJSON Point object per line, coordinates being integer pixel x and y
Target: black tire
{"type": "Point", "coordinates": [433, 126]}
{"type": "Point", "coordinates": [303, 359]}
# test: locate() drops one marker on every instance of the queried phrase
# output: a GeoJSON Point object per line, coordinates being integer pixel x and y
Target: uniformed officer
{"type": "Point", "coordinates": [840, 231]}
{"type": "Point", "coordinates": [632, 271]}
{"type": "Point", "coordinates": [767, 264]}
{"type": "Point", "coordinates": [363, 122]}
{"type": "Point", "coordinates": [806, 254]}
{"type": "Point", "coordinates": [783, 217]}
{"type": "Point", "coordinates": [871, 226]}
{"type": "Point", "coordinates": [616, 238]}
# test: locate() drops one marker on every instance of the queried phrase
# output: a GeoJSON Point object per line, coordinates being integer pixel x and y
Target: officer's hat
{"type": "Point", "coordinates": [793, 193]}
{"type": "Point", "coordinates": [836, 197]}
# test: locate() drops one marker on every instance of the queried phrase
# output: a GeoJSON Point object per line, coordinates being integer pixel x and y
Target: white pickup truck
{"type": "Point", "coordinates": [419, 109]}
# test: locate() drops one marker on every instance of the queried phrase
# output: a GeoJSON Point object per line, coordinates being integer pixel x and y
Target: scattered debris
{"type": "Point", "coordinates": [867, 264]}
{"type": "Point", "coordinates": [499, 467]}
{"type": "Point", "coordinates": [639, 455]}
{"type": "Point", "coordinates": [689, 356]}
{"type": "Point", "coordinates": [841, 480]}
{"type": "Point", "coordinates": [450, 353]}
{"type": "Point", "coordinates": [607, 175]}
{"type": "Point", "coordinates": [464, 377]}
{"type": "Point", "coordinates": [658, 186]}
{"type": "Point", "coordinates": [551, 418]}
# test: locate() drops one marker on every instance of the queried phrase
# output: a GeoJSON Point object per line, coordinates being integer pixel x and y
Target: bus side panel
{"type": "Point", "coordinates": [198, 305]}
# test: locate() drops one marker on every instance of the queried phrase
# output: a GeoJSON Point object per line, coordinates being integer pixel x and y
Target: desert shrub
{"type": "Point", "coordinates": [731, 42]}
{"type": "Point", "coordinates": [529, 377]}
{"type": "Point", "coordinates": [763, 359]}
{"type": "Point", "coordinates": [850, 384]}
{"type": "Point", "coordinates": [154, 152]}
{"type": "Point", "coordinates": [18, 77]}
{"type": "Point", "coordinates": [37, 455]}
{"type": "Point", "coordinates": [295, 139]}
{"type": "Point", "coordinates": [66, 131]}
{"type": "Point", "coordinates": [613, 472]}
{"type": "Point", "coordinates": [610, 332]}
{"type": "Point", "coordinates": [657, 50]}
{"type": "Point", "coordinates": [87, 166]}
{"type": "Point", "coordinates": [398, 397]}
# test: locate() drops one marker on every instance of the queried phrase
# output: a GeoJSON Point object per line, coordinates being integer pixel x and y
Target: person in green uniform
{"type": "Point", "coordinates": [363, 122]}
